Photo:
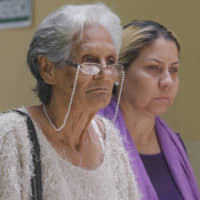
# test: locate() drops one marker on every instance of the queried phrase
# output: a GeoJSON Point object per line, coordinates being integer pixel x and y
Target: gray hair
{"type": "Point", "coordinates": [54, 36]}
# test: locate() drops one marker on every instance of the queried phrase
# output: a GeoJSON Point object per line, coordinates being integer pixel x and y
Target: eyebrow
{"type": "Point", "coordinates": [160, 62]}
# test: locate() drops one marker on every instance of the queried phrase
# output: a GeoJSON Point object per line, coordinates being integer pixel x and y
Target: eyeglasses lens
{"type": "Point", "coordinates": [95, 68]}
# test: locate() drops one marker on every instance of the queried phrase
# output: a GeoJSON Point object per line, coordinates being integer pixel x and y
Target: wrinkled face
{"type": "Point", "coordinates": [94, 91]}
{"type": "Point", "coordinates": [152, 80]}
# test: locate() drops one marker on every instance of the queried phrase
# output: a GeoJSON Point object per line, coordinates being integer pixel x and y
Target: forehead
{"type": "Point", "coordinates": [94, 37]}
{"type": "Point", "coordinates": [95, 33]}
{"type": "Point", "coordinates": [162, 49]}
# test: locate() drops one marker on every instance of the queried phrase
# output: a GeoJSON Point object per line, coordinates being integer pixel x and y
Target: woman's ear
{"type": "Point", "coordinates": [47, 70]}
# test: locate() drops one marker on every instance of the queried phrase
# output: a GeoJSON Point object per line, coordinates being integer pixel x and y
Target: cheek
{"type": "Point", "coordinates": [140, 89]}
{"type": "Point", "coordinates": [82, 84]}
{"type": "Point", "coordinates": [64, 85]}
{"type": "Point", "coordinates": [142, 86]}
{"type": "Point", "coordinates": [111, 77]}
{"type": "Point", "coordinates": [67, 80]}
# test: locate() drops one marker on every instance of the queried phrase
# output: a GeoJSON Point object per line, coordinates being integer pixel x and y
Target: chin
{"type": "Point", "coordinates": [159, 111]}
{"type": "Point", "coordinates": [100, 102]}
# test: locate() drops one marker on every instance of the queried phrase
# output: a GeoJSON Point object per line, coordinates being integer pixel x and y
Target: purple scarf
{"type": "Point", "coordinates": [174, 153]}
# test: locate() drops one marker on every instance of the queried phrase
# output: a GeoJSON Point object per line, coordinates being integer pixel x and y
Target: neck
{"type": "Point", "coordinates": [141, 126]}
{"type": "Point", "coordinates": [140, 122]}
{"type": "Point", "coordinates": [78, 122]}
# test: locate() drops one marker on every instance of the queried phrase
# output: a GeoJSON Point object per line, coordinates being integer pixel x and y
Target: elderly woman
{"type": "Point", "coordinates": [68, 153]}
{"type": "Point", "coordinates": [150, 54]}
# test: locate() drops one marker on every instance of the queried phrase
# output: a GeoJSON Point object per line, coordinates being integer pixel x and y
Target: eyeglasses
{"type": "Point", "coordinates": [95, 68]}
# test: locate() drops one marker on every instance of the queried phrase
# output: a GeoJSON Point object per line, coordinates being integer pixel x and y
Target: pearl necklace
{"type": "Point", "coordinates": [119, 97]}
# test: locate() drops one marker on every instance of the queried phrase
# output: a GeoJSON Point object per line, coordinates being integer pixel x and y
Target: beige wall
{"type": "Point", "coordinates": [180, 16]}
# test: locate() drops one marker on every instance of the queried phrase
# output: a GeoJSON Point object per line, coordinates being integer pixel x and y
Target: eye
{"type": "Point", "coordinates": [153, 67]}
{"type": "Point", "coordinates": [111, 60]}
{"type": "Point", "coordinates": [89, 59]}
{"type": "Point", "coordinates": [173, 69]}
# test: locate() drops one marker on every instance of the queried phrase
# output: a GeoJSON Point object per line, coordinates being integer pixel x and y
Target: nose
{"type": "Point", "coordinates": [103, 73]}
{"type": "Point", "coordinates": [166, 80]}
{"type": "Point", "coordinates": [103, 64]}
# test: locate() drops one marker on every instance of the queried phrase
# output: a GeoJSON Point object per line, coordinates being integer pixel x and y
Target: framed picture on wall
{"type": "Point", "coordinates": [15, 13]}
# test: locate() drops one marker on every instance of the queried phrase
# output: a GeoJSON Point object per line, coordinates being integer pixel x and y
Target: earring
{"type": "Point", "coordinates": [116, 83]}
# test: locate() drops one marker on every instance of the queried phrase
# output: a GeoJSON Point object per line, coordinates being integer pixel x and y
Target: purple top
{"type": "Point", "coordinates": [173, 151]}
{"type": "Point", "coordinates": [161, 177]}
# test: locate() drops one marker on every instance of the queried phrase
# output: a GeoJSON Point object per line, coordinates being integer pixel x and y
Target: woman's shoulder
{"type": "Point", "coordinates": [14, 140]}
{"type": "Point", "coordinates": [15, 151]}
{"type": "Point", "coordinates": [10, 122]}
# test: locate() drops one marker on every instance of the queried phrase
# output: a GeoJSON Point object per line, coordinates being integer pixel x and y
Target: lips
{"type": "Point", "coordinates": [162, 99]}
{"type": "Point", "coordinates": [97, 90]}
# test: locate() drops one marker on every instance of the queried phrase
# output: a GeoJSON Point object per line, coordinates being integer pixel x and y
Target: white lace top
{"type": "Point", "coordinates": [112, 180]}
